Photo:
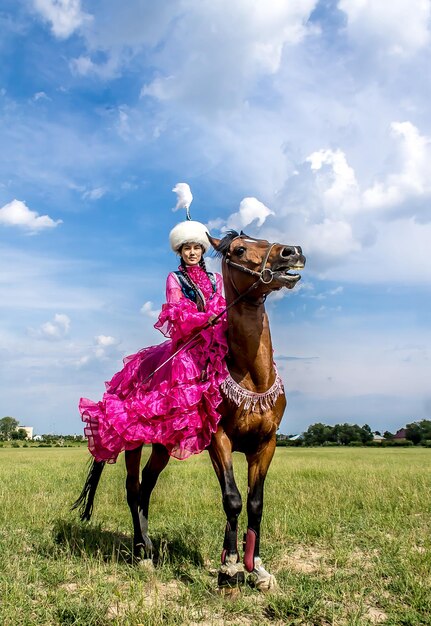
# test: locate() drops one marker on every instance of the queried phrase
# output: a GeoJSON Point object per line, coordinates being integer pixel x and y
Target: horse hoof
{"type": "Point", "coordinates": [146, 564]}
{"type": "Point", "coordinates": [141, 552]}
{"type": "Point", "coordinates": [229, 592]}
{"type": "Point", "coordinates": [265, 585]}
{"type": "Point", "coordinates": [260, 579]}
{"type": "Point", "coordinates": [231, 573]}
{"type": "Point", "coordinates": [225, 581]}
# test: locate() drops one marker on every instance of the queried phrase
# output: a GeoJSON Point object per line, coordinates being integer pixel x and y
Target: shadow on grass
{"type": "Point", "coordinates": [178, 548]}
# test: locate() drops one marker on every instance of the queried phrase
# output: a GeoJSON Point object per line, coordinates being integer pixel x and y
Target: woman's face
{"type": "Point", "coordinates": [191, 253]}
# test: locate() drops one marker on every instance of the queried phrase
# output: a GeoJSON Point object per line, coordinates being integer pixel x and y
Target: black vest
{"type": "Point", "coordinates": [188, 291]}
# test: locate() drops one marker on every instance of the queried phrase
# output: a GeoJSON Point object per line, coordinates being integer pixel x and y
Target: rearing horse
{"type": "Point", "coordinates": [252, 407]}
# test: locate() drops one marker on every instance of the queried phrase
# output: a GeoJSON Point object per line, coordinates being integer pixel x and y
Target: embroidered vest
{"type": "Point", "coordinates": [188, 291]}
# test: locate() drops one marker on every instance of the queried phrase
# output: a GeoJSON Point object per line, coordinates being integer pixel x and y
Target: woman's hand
{"type": "Point", "coordinates": [212, 320]}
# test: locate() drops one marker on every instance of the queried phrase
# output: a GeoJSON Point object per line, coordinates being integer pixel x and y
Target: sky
{"type": "Point", "coordinates": [316, 110]}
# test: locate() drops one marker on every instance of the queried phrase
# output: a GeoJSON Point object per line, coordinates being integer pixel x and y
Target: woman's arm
{"type": "Point", "coordinates": [179, 317]}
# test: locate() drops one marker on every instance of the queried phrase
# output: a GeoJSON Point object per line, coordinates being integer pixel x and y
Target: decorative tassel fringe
{"type": "Point", "coordinates": [265, 401]}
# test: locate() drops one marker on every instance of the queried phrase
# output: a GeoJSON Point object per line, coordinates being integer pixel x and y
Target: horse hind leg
{"type": "Point", "coordinates": [133, 460]}
{"type": "Point", "coordinates": [138, 494]}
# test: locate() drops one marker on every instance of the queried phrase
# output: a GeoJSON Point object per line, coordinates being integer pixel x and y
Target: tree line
{"type": "Point", "coordinates": [10, 431]}
{"type": "Point", "coordinates": [319, 434]}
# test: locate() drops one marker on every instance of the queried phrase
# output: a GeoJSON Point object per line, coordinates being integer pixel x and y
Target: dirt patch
{"type": "Point", "coordinates": [360, 559]}
{"type": "Point", "coordinates": [306, 561]}
{"type": "Point", "coordinates": [419, 549]}
{"type": "Point", "coordinates": [70, 587]}
{"type": "Point", "coordinates": [375, 616]}
{"type": "Point", "coordinates": [155, 594]}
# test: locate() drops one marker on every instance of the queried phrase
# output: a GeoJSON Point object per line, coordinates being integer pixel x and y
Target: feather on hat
{"type": "Point", "coordinates": [188, 231]}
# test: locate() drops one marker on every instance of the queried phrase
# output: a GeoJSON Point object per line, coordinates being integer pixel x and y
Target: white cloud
{"type": "Point", "coordinates": [343, 196]}
{"type": "Point", "coordinates": [227, 54]}
{"type": "Point", "coordinates": [40, 95]}
{"type": "Point", "coordinates": [336, 217]}
{"type": "Point", "coordinates": [340, 192]}
{"type": "Point", "coordinates": [55, 329]}
{"type": "Point", "coordinates": [384, 262]}
{"type": "Point", "coordinates": [148, 310]}
{"type": "Point", "coordinates": [412, 179]}
{"type": "Point", "coordinates": [250, 210]}
{"type": "Point", "coordinates": [65, 16]}
{"type": "Point", "coordinates": [17, 213]}
{"type": "Point", "coordinates": [105, 347]}
{"type": "Point", "coordinates": [398, 26]}
{"type": "Point", "coordinates": [85, 66]}
{"type": "Point", "coordinates": [330, 239]}
{"type": "Point", "coordinates": [94, 194]}
{"type": "Point", "coordinates": [105, 341]}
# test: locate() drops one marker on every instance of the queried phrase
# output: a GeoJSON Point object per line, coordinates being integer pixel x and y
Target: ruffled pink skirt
{"type": "Point", "coordinates": [176, 407]}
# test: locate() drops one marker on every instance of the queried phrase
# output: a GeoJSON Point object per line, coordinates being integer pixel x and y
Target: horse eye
{"type": "Point", "coordinates": [239, 251]}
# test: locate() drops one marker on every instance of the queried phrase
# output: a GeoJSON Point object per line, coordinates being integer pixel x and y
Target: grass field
{"type": "Point", "coordinates": [346, 532]}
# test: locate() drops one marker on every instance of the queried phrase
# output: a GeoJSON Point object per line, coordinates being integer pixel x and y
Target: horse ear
{"type": "Point", "coordinates": [214, 241]}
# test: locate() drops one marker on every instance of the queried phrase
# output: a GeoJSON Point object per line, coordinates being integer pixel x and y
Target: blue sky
{"type": "Point", "coordinates": [318, 109]}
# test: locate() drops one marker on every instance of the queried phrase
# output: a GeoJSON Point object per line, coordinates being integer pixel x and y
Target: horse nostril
{"type": "Point", "coordinates": [287, 251]}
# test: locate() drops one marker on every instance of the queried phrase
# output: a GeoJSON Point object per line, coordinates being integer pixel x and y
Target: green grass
{"type": "Point", "coordinates": [346, 532]}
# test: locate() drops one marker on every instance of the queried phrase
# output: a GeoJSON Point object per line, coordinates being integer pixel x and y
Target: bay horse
{"type": "Point", "coordinates": [252, 408]}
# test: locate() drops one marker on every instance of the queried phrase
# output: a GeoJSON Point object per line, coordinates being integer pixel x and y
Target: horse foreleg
{"type": "Point", "coordinates": [231, 572]}
{"type": "Point", "coordinates": [258, 465]}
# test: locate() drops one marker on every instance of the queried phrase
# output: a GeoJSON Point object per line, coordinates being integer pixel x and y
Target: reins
{"type": "Point", "coordinates": [240, 296]}
{"type": "Point", "coordinates": [260, 274]}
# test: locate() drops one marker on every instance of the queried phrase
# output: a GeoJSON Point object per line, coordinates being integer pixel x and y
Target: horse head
{"type": "Point", "coordinates": [256, 264]}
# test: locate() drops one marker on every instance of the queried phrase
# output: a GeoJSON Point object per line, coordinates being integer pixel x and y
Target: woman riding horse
{"type": "Point", "coordinates": [204, 388]}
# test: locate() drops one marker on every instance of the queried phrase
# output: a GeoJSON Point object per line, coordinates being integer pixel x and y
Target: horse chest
{"type": "Point", "coordinates": [247, 428]}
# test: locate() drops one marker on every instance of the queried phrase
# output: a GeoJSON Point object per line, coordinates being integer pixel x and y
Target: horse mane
{"type": "Point", "coordinates": [223, 247]}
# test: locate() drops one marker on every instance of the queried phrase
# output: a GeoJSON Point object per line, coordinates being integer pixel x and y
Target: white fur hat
{"type": "Point", "coordinates": [189, 231]}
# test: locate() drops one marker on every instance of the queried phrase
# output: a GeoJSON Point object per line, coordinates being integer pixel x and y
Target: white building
{"type": "Point", "coordinates": [28, 430]}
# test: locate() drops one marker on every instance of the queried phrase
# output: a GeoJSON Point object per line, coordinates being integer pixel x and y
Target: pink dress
{"type": "Point", "coordinates": [176, 407]}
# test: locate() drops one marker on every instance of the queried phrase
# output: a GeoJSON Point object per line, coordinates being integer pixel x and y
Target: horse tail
{"type": "Point", "coordinates": [86, 498]}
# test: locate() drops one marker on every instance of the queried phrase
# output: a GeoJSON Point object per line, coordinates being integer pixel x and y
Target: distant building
{"type": "Point", "coordinates": [295, 437]}
{"type": "Point", "coordinates": [28, 430]}
{"type": "Point", "coordinates": [401, 434]}
{"type": "Point", "coordinates": [378, 438]}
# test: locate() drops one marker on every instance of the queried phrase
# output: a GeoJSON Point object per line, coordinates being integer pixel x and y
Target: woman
{"type": "Point", "coordinates": [176, 405]}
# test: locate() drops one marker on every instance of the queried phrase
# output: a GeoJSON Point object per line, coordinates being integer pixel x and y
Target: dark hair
{"type": "Point", "coordinates": [199, 302]}
{"type": "Point", "coordinates": [223, 247]}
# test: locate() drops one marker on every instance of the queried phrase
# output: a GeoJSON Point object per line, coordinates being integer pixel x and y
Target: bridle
{"type": "Point", "coordinates": [265, 275]}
